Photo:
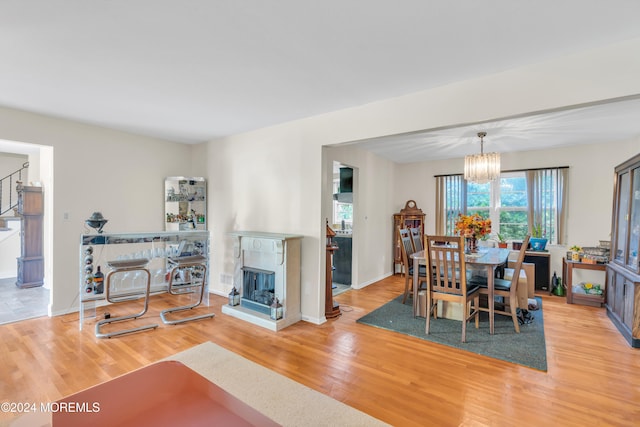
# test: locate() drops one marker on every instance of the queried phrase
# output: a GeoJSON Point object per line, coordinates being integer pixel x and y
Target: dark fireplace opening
{"type": "Point", "coordinates": [258, 289]}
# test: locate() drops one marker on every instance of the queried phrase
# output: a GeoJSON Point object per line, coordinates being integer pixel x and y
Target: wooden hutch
{"type": "Point", "coordinates": [31, 260]}
{"type": "Point", "coordinates": [409, 217]}
{"type": "Point", "coordinates": [623, 268]}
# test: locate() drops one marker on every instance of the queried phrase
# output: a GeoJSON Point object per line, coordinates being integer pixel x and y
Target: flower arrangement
{"type": "Point", "coordinates": [473, 226]}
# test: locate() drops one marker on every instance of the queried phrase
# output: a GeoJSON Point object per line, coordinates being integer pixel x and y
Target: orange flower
{"type": "Point", "coordinates": [472, 226]}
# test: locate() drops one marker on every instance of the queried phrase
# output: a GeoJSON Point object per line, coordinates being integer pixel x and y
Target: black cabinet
{"type": "Point", "coordinates": [543, 274]}
{"type": "Point", "coordinates": [342, 260]}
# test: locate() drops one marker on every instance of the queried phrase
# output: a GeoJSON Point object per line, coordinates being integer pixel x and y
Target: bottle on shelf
{"type": "Point", "coordinates": [98, 281]}
{"type": "Point", "coordinates": [88, 283]}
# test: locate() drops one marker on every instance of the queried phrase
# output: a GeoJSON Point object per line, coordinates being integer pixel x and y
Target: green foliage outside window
{"type": "Point", "coordinates": [509, 217]}
{"type": "Point", "coordinates": [344, 211]}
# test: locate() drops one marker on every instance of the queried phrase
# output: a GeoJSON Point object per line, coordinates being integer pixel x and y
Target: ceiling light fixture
{"type": "Point", "coordinates": [482, 168]}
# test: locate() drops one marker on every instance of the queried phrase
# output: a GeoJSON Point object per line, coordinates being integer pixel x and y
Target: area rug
{"type": "Point", "coordinates": [526, 348]}
{"type": "Point", "coordinates": [283, 400]}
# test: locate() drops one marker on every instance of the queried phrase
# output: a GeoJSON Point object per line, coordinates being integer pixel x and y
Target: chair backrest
{"type": "Point", "coordinates": [406, 246]}
{"type": "Point", "coordinates": [518, 264]}
{"type": "Point", "coordinates": [416, 238]}
{"type": "Point", "coordinates": [446, 261]}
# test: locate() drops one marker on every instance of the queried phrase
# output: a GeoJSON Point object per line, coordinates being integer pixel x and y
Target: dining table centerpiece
{"type": "Point", "coordinates": [472, 227]}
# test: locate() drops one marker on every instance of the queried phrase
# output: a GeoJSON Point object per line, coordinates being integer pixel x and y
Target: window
{"type": "Point", "coordinates": [512, 217]}
{"type": "Point", "coordinates": [514, 203]}
{"type": "Point", "coordinates": [342, 211]}
{"type": "Point", "coordinates": [504, 201]}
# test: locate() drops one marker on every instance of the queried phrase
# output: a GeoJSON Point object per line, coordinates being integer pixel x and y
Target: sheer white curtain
{"type": "Point", "coordinates": [450, 201]}
{"type": "Point", "coordinates": [547, 202]}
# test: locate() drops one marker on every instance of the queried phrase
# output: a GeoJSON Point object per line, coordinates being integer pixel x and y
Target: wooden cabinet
{"type": "Point", "coordinates": [576, 298]}
{"type": "Point", "coordinates": [623, 269]}
{"type": "Point", "coordinates": [623, 300]}
{"type": "Point", "coordinates": [31, 260]}
{"type": "Point", "coordinates": [409, 217]}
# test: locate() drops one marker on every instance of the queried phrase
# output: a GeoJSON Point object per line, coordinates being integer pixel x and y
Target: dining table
{"type": "Point", "coordinates": [486, 258]}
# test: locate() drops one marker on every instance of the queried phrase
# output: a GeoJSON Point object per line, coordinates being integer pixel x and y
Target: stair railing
{"type": "Point", "coordinates": [8, 186]}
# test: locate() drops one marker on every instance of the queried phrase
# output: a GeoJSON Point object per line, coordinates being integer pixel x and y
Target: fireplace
{"type": "Point", "coordinates": [258, 289]}
{"type": "Point", "coordinates": [266, 266]}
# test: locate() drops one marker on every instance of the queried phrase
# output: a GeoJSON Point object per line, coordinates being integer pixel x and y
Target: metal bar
{"type": "Point", "coordinates": [99, 333]}
{"type": "Point", "coordinates": [183, 265]}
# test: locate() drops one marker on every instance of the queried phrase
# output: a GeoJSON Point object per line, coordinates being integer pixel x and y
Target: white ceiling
{"type": "Point", "coordinates": [191, 71]}
{"type": "Point", "coordinates": [617, 120]}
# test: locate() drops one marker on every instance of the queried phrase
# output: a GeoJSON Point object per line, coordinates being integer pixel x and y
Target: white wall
{"type": "Point", "coordinates": [275, 179]}
{"type": "Point", "coordinates": [11, 162]}
{"type": "Point", "coordinates": [94, 169]}
{"type": "Point", "coordinates": [9, 249]}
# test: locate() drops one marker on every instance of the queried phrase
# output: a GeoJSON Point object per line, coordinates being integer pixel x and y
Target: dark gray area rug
{"type": "Point", "coordinates": [526, 348]}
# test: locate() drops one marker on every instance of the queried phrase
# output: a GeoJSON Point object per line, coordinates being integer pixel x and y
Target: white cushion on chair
{"type": "Point", "coordinates": [508, 274]}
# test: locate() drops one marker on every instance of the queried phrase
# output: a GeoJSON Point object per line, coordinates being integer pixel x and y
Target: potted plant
{"type": "Point", "coordinates": [574, 253]}
{"type": "Point", "coordinates": [502, 241]}
{"type": "Point", "coordinates": [538, 242]}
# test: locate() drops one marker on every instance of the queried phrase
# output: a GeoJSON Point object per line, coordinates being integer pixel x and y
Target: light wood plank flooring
{"type": "Point", "coordinates": [593, 375]}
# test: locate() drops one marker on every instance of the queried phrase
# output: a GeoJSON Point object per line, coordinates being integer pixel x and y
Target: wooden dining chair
{"type": "Point", "coordinates": [445, 256]}
{"type": "Point", "coordinates": [416, 239]}
{"type": "Point", "coordinates": [406, 247]}
{"type": "Point", "coordinates": [507, 289]}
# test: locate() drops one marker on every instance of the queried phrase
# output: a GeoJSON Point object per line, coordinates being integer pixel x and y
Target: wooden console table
{"type": "Point", "coordinates": [585, 299]}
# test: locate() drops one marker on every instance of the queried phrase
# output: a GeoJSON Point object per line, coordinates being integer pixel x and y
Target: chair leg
{"type": "Point", "coordinates": [464, 322]}
{"type": "Point", "coordinates": [428, 310]}
{"type": "Point", "coordinates": [476, 302]}
{"type": "Point", "coordinates": [406, 286]}
{"type": "Point", "coordinates": [513, 305]}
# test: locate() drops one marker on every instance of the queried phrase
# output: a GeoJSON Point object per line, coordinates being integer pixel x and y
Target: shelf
{"type": "Point", "coordinates": [122, 249]}
{"type": "Point", "coordinates": [185, 203]}
{"type": "Point", "coordinates": [586, 299]}
{"type": "Point", "coordinates": [575, 298]}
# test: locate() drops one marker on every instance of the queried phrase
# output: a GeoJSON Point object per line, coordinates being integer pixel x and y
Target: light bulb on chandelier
{"type": "Point", "coordinates": [482, 168]}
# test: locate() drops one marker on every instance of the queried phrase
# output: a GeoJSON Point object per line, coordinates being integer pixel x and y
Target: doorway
{"type": "Point", "coordinates": [24, 303]}
{"type": "Point", "coordinates": [342, 224]}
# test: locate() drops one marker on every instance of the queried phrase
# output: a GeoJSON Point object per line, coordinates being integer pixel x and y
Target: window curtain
{"type": "Point", "coordinates": [547, 202]}
{"type": "Point", "coordinates": [450, 201]}
{"type": "Point", "coordinates": [562, 201]}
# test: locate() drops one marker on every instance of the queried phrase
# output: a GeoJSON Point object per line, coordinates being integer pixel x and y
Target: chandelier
{"type": "Point", "coordinates": [482, 168]}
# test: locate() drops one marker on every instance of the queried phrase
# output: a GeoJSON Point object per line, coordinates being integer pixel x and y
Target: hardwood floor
{"type": "Point", "coordinates": [593, 375]}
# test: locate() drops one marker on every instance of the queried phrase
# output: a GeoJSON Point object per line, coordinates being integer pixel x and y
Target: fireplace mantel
{"type": "Point", "coordinates": [275, 252]}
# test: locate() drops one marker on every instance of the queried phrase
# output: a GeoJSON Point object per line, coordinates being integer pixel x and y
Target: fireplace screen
{"type": "Point", "coordinates": [258, 289]}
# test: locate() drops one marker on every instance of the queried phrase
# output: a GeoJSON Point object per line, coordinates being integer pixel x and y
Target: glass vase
{"type": "Point", "coordinates": [471, 244]}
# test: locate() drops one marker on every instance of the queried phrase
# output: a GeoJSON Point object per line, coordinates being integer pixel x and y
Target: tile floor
{"type": "Point", "coordinates": [338, 288]}
{"type": "Point", "coordinates": [20, 304]}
